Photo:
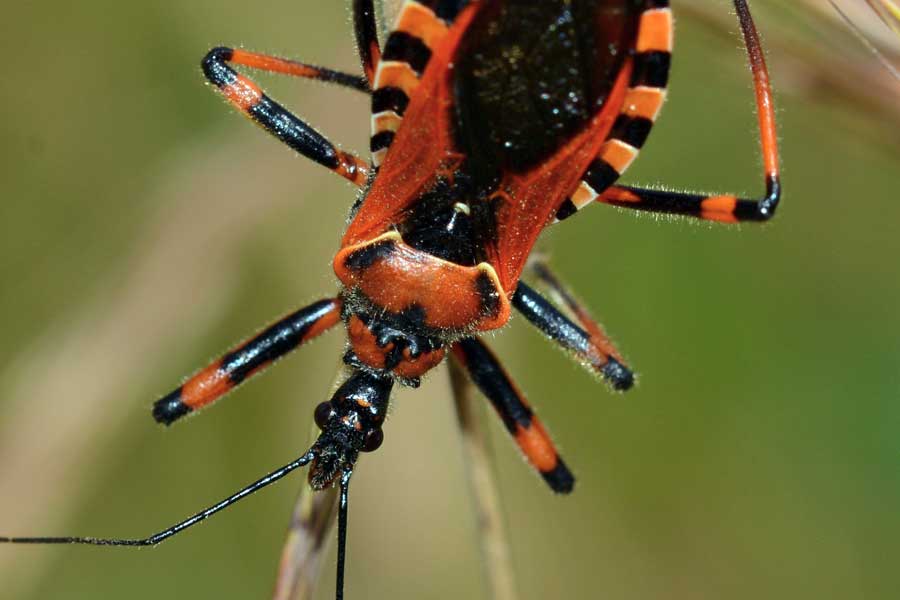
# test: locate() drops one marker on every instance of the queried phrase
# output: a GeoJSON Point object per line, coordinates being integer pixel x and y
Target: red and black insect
{"type": "Point", "coordinates": [491, 120]}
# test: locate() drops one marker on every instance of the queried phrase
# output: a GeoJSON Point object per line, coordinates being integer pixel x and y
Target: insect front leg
{"type": "Point", "coordinates": [520, 421]}
{"type": "Point", "coordinates": [247, 97]}
{"type": "Point", "coordinates": [247, 359]}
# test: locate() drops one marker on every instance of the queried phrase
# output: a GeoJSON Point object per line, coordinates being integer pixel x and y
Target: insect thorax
{"type": "Point", "coordinates": [423, 283]}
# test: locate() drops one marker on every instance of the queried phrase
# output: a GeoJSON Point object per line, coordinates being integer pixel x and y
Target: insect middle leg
{"type": "Point", "coordinates": [247, 359]}
{"type": "Point", "coordinates": [247, 97]}
{"type": "Point", "coordinates": [586, 339]}
{"type": "Point", "coordinates": [533, 440]}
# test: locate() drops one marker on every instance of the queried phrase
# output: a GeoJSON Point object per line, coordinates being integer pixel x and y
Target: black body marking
{"type": "Point", "coordinates": [651, 69]}
{"type": "Point", "coordinates": [381, 140]}
{"type": "Point", "coordinates": [566, 210]}
{"type": "Point", "coordinates": [389, 98]}
{"type": "Point", "coordinates": [631, 130]}
{"type": "Point", "coordinates": [489, 294]}
{"type": "Point", "coordinates": [452, 222]}
{"type": "Point", "coordinates": [600, 175]}
{"type": "Point", "coordinates": [368, 255]}
{"type": "Point", "coordinates": [404, 47]}
{"type": "Point", "coordinates": [406, 330]}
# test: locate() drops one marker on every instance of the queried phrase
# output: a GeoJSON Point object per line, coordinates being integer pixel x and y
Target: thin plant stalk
{"type": "Point", "coordinates": [307, 541]}
{"type": "Point", "coordinates": [841, 69]}
{"type": "Point", "coordinates": [889, 12]}
{"type": "Point", "coordinates": [493, 542]}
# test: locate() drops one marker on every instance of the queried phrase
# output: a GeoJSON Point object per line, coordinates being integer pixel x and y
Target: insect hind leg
{"type": "Point", "coordinates": [724, 208]}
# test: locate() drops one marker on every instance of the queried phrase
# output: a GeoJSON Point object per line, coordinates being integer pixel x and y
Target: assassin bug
{"type": "Point", "coordinates": [491, 120]}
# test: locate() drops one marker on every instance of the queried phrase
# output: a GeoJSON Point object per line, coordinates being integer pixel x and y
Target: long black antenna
{"type": "Point", "coordinates": [342, 533]}
{"type": "Point", "coordinates": [179, 527]}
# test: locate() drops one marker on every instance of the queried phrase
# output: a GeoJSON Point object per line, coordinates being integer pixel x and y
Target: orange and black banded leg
{"type": "Point", "coordinates": [587, 342]}
{"type": "Point", "coordinates": [640, 108]}
{"type": "Point", "coordinates": [517, 416]}
{"type": "Point", "coordinates": [723, 208]}
{"type": "Point", "coordinates": [366, 37]}
{"type": "Point", "coordinates": [294, 68]}
{"type": "Point", "coordinates": [720, 208]}
{"type": "Point", "coordinates": [247, 359]}
{"type": "Point", "coordinates": [247, 97]}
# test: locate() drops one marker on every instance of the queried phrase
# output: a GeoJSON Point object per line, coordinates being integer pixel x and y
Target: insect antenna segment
{"type": "Point", "coordinates": [350, 422]}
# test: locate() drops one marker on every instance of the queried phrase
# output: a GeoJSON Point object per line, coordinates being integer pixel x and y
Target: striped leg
{"type": "Point", "coordinates": [643, 100]}
{"type": "Point", "coordinates": [588, 342]}
{"type": "Point", "coordinates": [274, 118]}
{"type": "Point", "coordinates": [366, 37]}
{"type": "Point", "coordinates": [510, 404]}
{"type": "Point", "coordinates": [247, 359]}
{"type": "Point", "coordinates": [723, 208]}
{"type": "Point", "coordinates": [294, 68]}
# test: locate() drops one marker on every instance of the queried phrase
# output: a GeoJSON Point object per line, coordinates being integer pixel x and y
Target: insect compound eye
{"type": "Point", "coordinates": [373, 440]}
{"type": "Point", "coordinates": [323, 413]}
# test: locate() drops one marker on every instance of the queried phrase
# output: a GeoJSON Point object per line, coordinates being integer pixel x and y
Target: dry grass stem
{"type": "Point", "coordinates": [307, 542]}
{"type": "Point", "coordinates": [819, 56]}
{"type": "Point", "coordinates": [308, 537]}
{"type": "Point", "coordinates": [486, 499]}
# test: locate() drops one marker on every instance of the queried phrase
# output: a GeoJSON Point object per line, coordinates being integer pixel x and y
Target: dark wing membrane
{"type": "Point", "coordinates": [528, 75]}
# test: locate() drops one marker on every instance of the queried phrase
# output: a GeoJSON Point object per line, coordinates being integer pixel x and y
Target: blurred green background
{"type": "Point", "coordinates": [146, 227]}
